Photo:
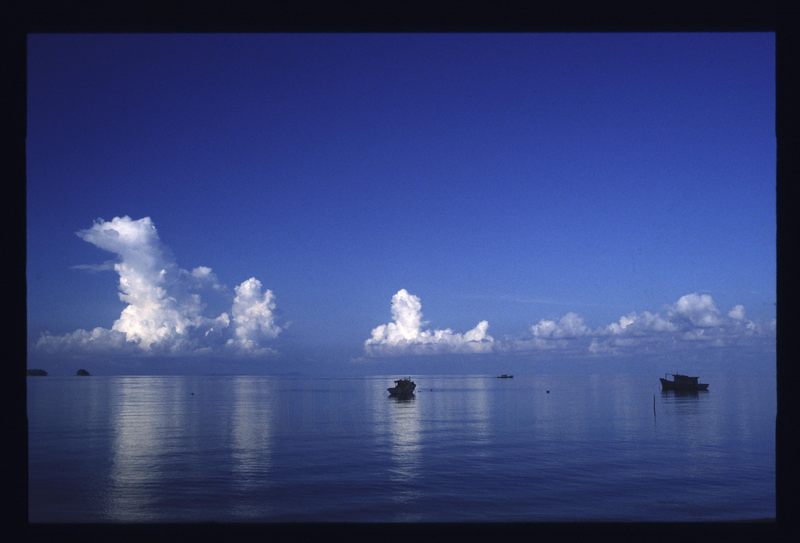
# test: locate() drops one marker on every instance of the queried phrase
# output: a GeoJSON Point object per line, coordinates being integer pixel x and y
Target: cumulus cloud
{"type": "Point", "coordinates": [164, 310]}
{"type": "Point", "coordinates": [697, 309]}
{"type": "Point", "coordinates": [253, 318]}
{"type": "Point", "coordinates": [404, 335]}
{"type": "Point", "coordinates": [98, 340]}
{"type": "Point", "coordinates": [569, 326]}
{"type": "Point", "coordinates": [549, 334]}
{"type": "Point", "coordinates": [737, 312]}
{"type": "Point", "coordinates": [640, 324]}
{"type": "Point", "coordinates": [205, 277]}
{"type": "Point", "coordinates": [693, 319]}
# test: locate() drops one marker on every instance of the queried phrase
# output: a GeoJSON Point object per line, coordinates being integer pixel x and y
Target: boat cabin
{"type": "Point", "coordinates": [684, 379]}
{"type": "Point", "coordinates": [682, 382]}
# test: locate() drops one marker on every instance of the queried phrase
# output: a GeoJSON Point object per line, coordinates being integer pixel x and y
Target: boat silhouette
{"type": "Point", "coordinates": [404, 388]}
{"type": "Point", "coordinates": [682, 383]}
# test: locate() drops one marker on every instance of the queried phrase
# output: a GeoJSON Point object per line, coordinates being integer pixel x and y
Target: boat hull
{"type": "Point", "coordinates": [400, 393]}
{"type": "Point", "coordinates": [666, 384]}
{"type": "Point", "coordinates": [406, 390]}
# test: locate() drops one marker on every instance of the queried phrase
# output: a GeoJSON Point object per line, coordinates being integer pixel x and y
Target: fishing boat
{"type": "Point", "coordinates": [682, 383]}
{"type": "Point", "coordinates": [505, 376]}
{"type": "Point", "coordinates": [404, 388]}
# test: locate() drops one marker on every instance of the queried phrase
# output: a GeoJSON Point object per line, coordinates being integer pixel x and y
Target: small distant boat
{"type": "Point", "coordinates": [404, 388]}
{"type": "Point", "coordinates": [682, 383]}
{"type": "Point", "coordinates": [505, 376]}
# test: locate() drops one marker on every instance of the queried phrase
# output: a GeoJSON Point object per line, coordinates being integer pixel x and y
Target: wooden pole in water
{"type": "Point", "coordinates": [654, 405]}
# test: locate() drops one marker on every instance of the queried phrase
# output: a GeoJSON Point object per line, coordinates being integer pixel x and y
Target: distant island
{"type": "Point", "coordinates": [82, 373]}
{"type": "Point", "coordinates": [36, 373]}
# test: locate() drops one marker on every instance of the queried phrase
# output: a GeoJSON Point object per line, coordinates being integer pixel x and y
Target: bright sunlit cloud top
{"type": "Point", "coordinates": [164, 307]}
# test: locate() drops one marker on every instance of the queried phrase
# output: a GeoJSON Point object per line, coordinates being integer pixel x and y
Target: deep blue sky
{"type": "Point", "coordinates": [505, 177]}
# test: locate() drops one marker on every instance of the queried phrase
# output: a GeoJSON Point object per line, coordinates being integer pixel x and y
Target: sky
{"type": "Point", "coordinates": [358, 202]}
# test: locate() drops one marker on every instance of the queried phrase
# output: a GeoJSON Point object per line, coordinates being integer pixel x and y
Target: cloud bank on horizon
{"type": "Point", "coordinates": [404, 335]}
{"type": "Point", "coordinates": [693, 319]}
{"type": "Point", "coordinates": [164, 314]}
{"type": "Point", "coordinates": [164, 311]}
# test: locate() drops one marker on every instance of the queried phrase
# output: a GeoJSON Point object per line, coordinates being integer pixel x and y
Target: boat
{"type": "Point", "coordinates": [682, 383]}
{"type": "Point", "coordinates": [505, 376]}
{"type": "Point", "coordinates": [404, 388]}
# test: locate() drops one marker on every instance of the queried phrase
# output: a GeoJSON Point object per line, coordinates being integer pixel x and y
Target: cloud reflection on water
{"type": "Point", "coordinates": [251, 440]}
{"type": "Point", "coordinates": [146, 418]}
{"type": "Point", "coordinates": [405, 446]}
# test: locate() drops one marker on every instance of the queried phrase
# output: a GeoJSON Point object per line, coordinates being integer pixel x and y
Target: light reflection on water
{"type": "Point", "coordinates": [251, 453]}
{"type": "Point", "coordinates": [405, 441]}
{"type": "Point", "coordinates": [464, 448]}
{"type": "Point", "coordinates": [146, 418]}
{"type": "Point", "coordinates": [252, 419]}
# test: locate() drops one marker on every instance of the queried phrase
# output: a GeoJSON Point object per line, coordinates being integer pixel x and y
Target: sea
{"type": "Point", "coordinates": [542, 446]}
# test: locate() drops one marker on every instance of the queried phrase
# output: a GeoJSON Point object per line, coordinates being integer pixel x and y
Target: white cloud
{"type": "Point", "coordinates": [205, 277]}
{"type": "Point", "coordinates": [404, 335]}
{"type": "Point", "coordinates": [692, 320]}
{"type": "Point", "coordinates": [640, 324]}
{"type": "Point", "coordinates": [551, 334]}
{"type": "Point", "coordinates": [698, 309]}
{"type": "Point", "coordinates": [99, 340]}
{"type": "Point", "coordinates": [253, 318]}
{"type": "Point", "coordinates": [569, 326]}
{"type": "Point", "coordinates": [737, 312]}
{"type": "Point", "coordinates": [145, 274]}
{"type": "Point", "coordinates": [108, 265]}
{"type": "Point", "coordinates": [163, 313]}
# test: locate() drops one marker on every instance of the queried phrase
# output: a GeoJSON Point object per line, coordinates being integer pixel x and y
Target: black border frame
{"type": "Point", "coordinates": [566, 16]}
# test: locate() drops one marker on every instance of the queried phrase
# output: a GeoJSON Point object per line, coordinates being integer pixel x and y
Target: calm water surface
{"type": "Point", "coordinates": [241, 448]}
